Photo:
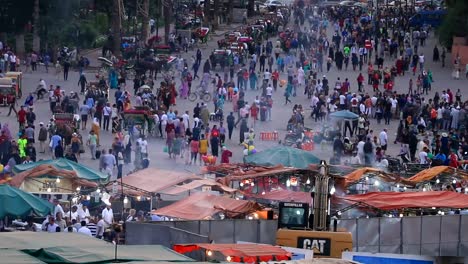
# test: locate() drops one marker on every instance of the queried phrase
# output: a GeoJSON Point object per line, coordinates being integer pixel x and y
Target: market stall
{"type": "Point", "coordinates": [55, 176]}
{"type": "Point", "coordinates": [246, 253]}
{"type": "Point", "coordinates": [208, 206]}
{"type": "Point", "coordinates": [286, 156]}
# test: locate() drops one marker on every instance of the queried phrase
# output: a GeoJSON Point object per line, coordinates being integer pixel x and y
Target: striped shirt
{"type": "Point", "coordinates": [92, 227]}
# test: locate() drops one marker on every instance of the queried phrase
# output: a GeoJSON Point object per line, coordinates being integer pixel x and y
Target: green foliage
{"type": "Point", "coordinates": [101, 22]}
{"type": "Point", "coordinates": [15, 14]}
{"type": "Point", "coordinates": [455, 23]}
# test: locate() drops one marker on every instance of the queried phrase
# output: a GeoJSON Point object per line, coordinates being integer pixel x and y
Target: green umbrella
{"type": "Point", "coordinates": [344, 114]}
{"type": "Point", "coordinates": [82, 171]}
{"type": "Point", "coordinates": [15, 202]}
{"type": "Point", "coordinates": [286, 156]}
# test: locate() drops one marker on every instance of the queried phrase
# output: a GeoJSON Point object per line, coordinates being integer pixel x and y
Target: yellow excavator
{"type": "Point", "coordinates": [300, 229]}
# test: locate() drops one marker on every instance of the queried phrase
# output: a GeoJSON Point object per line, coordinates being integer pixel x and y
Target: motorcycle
{"type": "Point", "coordinates": [295, 139]}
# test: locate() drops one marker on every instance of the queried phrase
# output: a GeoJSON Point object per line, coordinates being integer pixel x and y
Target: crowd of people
{"type": "Point", "coordinates": [431, 130]}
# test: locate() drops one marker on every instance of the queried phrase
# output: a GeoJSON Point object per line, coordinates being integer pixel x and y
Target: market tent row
{"type": "Point", "coordinates": [15, 202]}
{"type": "Point", "coordinates": [281, 155]}
{"type": "Point", "coordinates": [203, 205]}
{"type": "Point", "coordinates": [238, 172]}
{"type": "Point", "coordinates": [150, 181]}
{"type": "Point", "coordinates": [38, 176]}
{"type": "Point", "coordinates": [407, 200]}
{"type": "Point", "coordinates": [247, 253]}
{"type": "Point", "coordinates": [49, 248]}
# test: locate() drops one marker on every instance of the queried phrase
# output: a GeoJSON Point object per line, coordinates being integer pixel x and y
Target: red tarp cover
{"type": "Point", "coordinates": [204, 205]}
{"type": "Point", "coordinates": [285, 196]}
{"type": "Point", "coordinates": [237, 250]}
{"type": "Point", "coordinates": [401, 200]}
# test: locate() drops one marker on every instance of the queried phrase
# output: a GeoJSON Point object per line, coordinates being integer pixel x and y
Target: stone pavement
{"type": "Point", "coordinates": [280, 112]}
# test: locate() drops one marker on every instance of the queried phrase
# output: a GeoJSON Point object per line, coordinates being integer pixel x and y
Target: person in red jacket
{"type": "Point", "coordinates": [360, 80]}
{"type": "Point", "coordinates": [21, 117]}
{"type": "Point", "coordinates": [225, 155]}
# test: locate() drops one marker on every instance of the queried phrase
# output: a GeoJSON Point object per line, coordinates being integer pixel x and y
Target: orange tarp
{"type": "Point", "coordinates": [359, 173]}
{"type": "Point", "coordinates": [46, 169]}
{"type": "Point", "coordinates": [204, 205]}
{"type": "Point", "coordinates": [402, 200]}
{"type": "Point", "coordinates": [429, 174]}
{"type": "Point", "coordinates": [235, 250]}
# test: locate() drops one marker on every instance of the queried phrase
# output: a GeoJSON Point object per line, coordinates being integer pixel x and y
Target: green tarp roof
{"type": "Point", "coordinates": [79, 248]}
{"type": "Point", "coordinates": [13, 256]}
{"type": "Point", "coordinates": [280, 155]}
{"type": "Point", "coordinates": [83, 172]}
{"type": "Point", "coordinates": [15, 202]}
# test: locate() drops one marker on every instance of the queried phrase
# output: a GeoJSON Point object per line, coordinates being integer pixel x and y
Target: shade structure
{"type": "Point", "coordinates": [286, 156]}
{"type": "Point", "coordinates": [344, 114]}
{"type": "Point", "coordinates": [153, 180]}
{"type": "Point", "coordinates": [203, 205]}
{"type": "Point", "coordinates": [82, 171]}
{"type": "Point", "coordinates": [15, 202]}
{"type": "Point", "coordinates": [404, 200]}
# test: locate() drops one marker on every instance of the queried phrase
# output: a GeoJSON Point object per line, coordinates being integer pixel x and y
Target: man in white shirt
{"type": "Point", "coordinates": [107, 112]}
{"type": "Point", "coordinates": [100, 227]}
{"type": "Point", "coordinates": [58, 208]}
{"type": "Point", "coordinates": [107, 216]}
{"type": "Point", "coordinates": [269, 91]}
{"type": "Point", "coordinates": [342, 102]}
{"type": "Point", "coordinates": [143, 146]}
{"type": "Point", "coordinates": [360, 149]}
{"type": "Point", "coordinates": [74, 213]}
{"type": "Point", "coordinates": [84, 229]}
{"type": "Point", "coordinates": [51, 226]}
{"type": "Point", "coordinates": [163, 124]}
{"type": "Point", "coordinates": [423, 156]}
{"type": "Point", "coordinates": [186, 119]}
{"type": "Point", "coordinates": [266, 76]}
{"type": "Point", "coordinates": [421, 61]}
{"type": "Point", "coordinates": [383, 140]}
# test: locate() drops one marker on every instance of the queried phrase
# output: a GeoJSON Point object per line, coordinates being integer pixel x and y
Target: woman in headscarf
{"type": "Point", "coordinates": [97, 129]}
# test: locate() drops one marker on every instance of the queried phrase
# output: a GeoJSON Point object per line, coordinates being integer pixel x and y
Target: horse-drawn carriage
{"type": "Point", "coordinates": [229, 38]}
{"type": "Point", "coordinates": [201, 34]}
{"type": "Point", "coordinates": [140, 117]}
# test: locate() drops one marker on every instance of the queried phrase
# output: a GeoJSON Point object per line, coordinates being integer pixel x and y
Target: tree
{"type": "Point", "coordinates": [455, 23]}
{"type": "Point", "coordinates": [216, 14]}
{"type": "Point", "coordinates": [144, 11]}
{"type": "Point", "coordinates": [36, 26]}
{"type": "Point", "coordinates": [167, 11]}
{"type": "Point", "coordinates": [206, 11]}
{"type": "Point", "coordinates": [251, 8]}
{"type": "Point", "coordinates": [117, 9]}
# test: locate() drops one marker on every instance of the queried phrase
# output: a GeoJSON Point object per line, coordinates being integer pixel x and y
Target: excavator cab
{"type": "Point", "coordinates": [302, 226]}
